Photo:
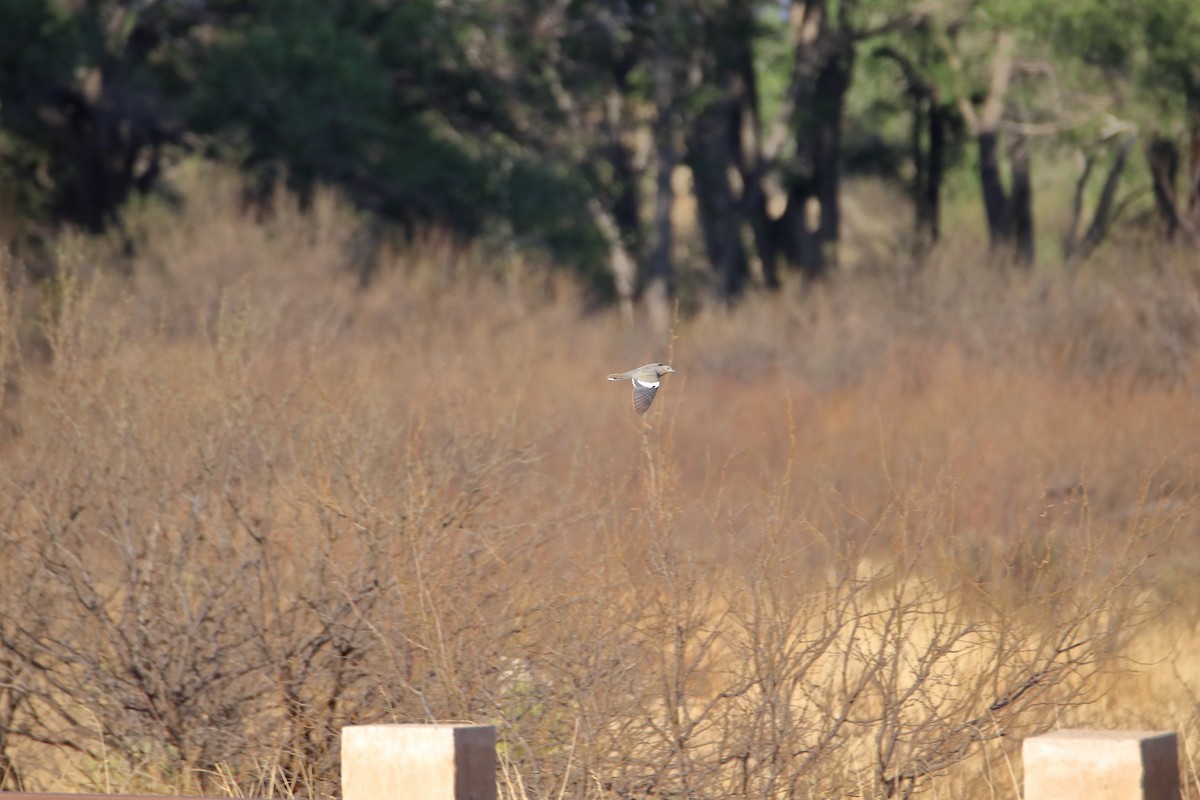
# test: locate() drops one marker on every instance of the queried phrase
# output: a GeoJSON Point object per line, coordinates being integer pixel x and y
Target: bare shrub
{"type": "Point", "coordinates": [807, 666]}
{"type": "Point", "coordinates": [862, 541]}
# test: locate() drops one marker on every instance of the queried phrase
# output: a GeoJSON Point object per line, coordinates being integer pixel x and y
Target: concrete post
{"type": "Point", "coordinates": [1101, 765]}
{"type": "Point", "coordinates": [419, 762]}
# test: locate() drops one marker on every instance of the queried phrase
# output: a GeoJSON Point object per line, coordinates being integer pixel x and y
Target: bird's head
{"type": "Point", "coordinates": [663, 369]}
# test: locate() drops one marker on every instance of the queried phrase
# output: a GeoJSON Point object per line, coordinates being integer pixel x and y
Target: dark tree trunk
{"type": "Point", "coordinates": [1162, 155]}
{"type": "Point", "coordinates": [832, 85]}
{"type": "Point", "coordinates": [1105, 208]}
{"type": "Point", "coordinates": [1102, 218]}
{"type": "Point", "coordinates": [1020, 202]}
{"type": "Point", "coordinates": [754, 208]}
{"type": "Point", "coordinates": [1004, 213]}
{"type": "Point", "coordinates": [626, 210]}
{"type": "Point", "coordinates": [927, 149]}
{"type": "Point", "coordinates": [659, 277]}
{"type": "Point", "coordinates": [711, 157]}
{"type": "Point", "coordinates": [798, 230]}
{"type": "Point", "coordinates": [724, 139]}
{"type": "Point", "coordinates": [995, 200]}
{"type": "Point", "coordinates": [812, 216]}
{"type": "Point", "coordinates": [1193, 204]}
{"type": "Point", "coordinates": [619, 220]}
{"type": "Point", "coordinates": [744, 92]}
{"type": "Point", "coordinates": [929, 190]}
{"type": "Point", "coordinates": [1009, 214]}
{"type": "Point", "coordinates": [923, 213]}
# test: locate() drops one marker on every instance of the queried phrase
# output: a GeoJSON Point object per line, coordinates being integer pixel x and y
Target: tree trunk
{"type": "Point", "coordinates": [658, 280]}
{"type": "Point", "coordinates": [625, 207]}
{"type": "Point", "coordinates": [927, 150]}
{"type": "Point", "coordinates": [1105, 208]}
{"type": "Point", "coordinates": [1162, 156]}
{"type": "Point", "coordinates": [723, 142]}
{"type": "Point", "coordinates": [917, 133]}
{"type": "Point", "coordinates": [620, 263]}
{"type": "Point", "coordinates": [799, 225]}
{"type": "Point", "coordinates": [620, 220]}
{"type": "Point", "coordinates": [1179, 216]}
{"type": "Point", "coordinates": [1020, 202]}
{"type": "Point", "coordinates": [754, 208]}
{"type": "Point", "coordinates": [1193, 172]}
{"type": "Point", "coordinates": [744, 92]}
{"type": "Point", "coordinates": [929, 191]}
{"type": "Point", "coordinates": [832, 85]}
{"type": "Point", "coordinates": [1009, 217]}
{"type": "Point", "coordinates": [1071, 236]}
{"type": "Point", "coordinates": [711, 158]}
{"type": "Point", "coordinates": [824, 59]}
{"type": "Point", "coordinates": [995, 200]}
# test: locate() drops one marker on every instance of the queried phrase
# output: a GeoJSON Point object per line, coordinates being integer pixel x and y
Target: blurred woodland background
{"type": "Point", "coordinates": [562, 126]}
{"type": "Point", "coordinates": [306, 316]}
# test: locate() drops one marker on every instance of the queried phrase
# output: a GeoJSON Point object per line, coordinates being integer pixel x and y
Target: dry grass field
{"type": "Point", "coordinates": [870, 535]}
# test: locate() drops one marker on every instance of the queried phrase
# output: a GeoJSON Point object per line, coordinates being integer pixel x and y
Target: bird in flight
{"type": "Point", "coordinates": [645, 383]}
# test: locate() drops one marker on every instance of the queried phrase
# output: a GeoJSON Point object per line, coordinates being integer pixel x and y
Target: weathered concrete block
{"type": "Point", "coordinates": [1101, 765]}
{"type": "Point", "coordinates": [419, 762]}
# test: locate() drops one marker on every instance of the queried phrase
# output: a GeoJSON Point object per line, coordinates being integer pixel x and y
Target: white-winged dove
{"type": "Point", "coordinates": [645, 383]}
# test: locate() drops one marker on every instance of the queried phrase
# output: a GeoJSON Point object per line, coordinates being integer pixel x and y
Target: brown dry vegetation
{"type": "Point", "coordinates": [870, 536]}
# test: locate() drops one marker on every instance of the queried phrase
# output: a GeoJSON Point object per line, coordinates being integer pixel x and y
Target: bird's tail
{"type": "Point", "coordinates": [618, 377]}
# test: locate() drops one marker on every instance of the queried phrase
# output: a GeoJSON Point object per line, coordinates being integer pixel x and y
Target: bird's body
{"type": "Point", "coordinates": [646, 380]}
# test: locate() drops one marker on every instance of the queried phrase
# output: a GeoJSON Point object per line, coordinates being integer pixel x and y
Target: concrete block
{"type": "Point", "coordinates": [1101, 765]}
{"type": "Point", "coordinates": [419, 762]}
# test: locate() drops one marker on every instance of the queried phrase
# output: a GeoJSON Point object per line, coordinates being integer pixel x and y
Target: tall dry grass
{"type": "Point", "coordinates": [871, 534]}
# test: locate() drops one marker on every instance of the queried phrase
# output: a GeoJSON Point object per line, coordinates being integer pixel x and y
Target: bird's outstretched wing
{"type": "Point", "coordinates": [643, 394]}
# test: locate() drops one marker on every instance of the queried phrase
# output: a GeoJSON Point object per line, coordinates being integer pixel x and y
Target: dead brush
{"type": "Point", "coordinates": [248, 499]}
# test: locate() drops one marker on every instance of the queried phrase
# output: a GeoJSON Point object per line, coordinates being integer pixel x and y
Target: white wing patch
{"type": "Point", "coordinates": [646, 385]}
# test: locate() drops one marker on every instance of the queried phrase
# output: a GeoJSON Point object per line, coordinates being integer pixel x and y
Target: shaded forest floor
{"type": "Point", "coordinates": [1011, 438]}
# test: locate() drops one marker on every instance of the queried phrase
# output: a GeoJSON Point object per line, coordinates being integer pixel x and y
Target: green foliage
{"type": "Point", "coordinates": [299, 88]}
{"type": "Point", "coordinates": [1096, 32]}
{"type": "Point", "coordinates": [1151, 47]}
{"type": "Point", "coordinates": [384, 103]}
{"type": "Point", "coordinates": [37, 51]}
{"type": "Point", "coordinates": [547, 208]}
{"type": "Point", "coordinates": [35, 44]}
{"type": "Point", "coordinates": [1171, 30]}
{"type": "Point", "coordinates": [512, 115]}
{"type": "Point", "coordinates": [88, 96]}
{"type": "Point", "coordinates": [773, 59]}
